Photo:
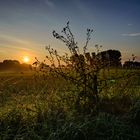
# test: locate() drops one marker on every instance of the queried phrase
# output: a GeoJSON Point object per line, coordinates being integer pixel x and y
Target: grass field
{"type": "Point", "coordinates": [37, 107]}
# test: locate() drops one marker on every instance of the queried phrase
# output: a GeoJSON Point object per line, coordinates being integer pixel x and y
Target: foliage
{"type": "Point", "coordinates": [131, 64]}
{"type": "Point", "coordinates": [9, 65]}
{"type": "Point", "coordinates": [110, 58]}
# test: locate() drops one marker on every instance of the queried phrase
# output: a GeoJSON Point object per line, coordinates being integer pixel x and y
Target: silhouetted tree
{"type": "Point", "coordinates": [131, 64]}
{"type": "Point", "coordinates": [13, 65]}
{"type": "Point", "coordinates": [110, 58]}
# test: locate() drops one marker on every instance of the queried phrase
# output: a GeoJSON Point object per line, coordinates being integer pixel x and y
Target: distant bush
{"type": "Point", "coordinates": [8, 65]}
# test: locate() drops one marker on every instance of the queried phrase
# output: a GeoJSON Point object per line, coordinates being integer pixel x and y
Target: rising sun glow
{"type": "Point", "coordinates": [26, 59]}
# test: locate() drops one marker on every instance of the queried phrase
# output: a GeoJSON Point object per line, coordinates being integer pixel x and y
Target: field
{"type": "Point", "coordinates": [41, 107]}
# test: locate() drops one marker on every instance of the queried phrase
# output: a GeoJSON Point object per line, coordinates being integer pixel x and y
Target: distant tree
{"type": "Point", "coordinates": [110, 58]}
{"type": "Point", "coordinates": [131, 64]}
{"type": "Point", "coordinates": [11, 62]}
{"type": "Point", "coordinates": [13, 65]}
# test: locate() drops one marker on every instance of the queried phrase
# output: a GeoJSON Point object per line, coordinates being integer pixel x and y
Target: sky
{"type": "Point", "coordinates": [26, 26]}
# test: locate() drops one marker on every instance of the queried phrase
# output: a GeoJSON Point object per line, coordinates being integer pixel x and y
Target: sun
{"type": "Point", "coordinates": [26, 59]}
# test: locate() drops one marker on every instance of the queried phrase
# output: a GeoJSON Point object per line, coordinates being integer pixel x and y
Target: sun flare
{"type": "Point", "coordinates": [26, 59]}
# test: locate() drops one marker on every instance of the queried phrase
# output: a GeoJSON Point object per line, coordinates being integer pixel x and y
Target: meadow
{"type": "Point", "coordinates": [35, 106]}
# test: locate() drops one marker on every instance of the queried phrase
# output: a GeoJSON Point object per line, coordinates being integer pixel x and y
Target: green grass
{"type": "Point", "coordinates": [35, 107]}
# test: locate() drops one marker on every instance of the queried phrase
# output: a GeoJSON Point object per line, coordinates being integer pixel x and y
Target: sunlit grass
{"type": "Point", "coordinates": [37, 107]}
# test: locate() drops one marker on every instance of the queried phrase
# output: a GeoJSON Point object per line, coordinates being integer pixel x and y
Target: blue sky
{"type": "Point", "coordinates": [26, 25]}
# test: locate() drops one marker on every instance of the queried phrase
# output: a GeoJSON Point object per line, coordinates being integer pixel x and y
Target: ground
{"type": "Point", "coordinates": [36, 106]}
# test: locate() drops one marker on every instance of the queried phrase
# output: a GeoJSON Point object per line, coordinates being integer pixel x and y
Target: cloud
{"type": "Point", "coordinates": [132, 34]}
{"type": "Point", "coordinates": [12, 43]}
{"type": "Point", "coordinates": [129, 24]}
{"type": "Point", "coordinates": [49, 3]}
{"type": "Point", "coordinates": [7, 41]}
{"type": "Point", "coordinates": [13, 39]}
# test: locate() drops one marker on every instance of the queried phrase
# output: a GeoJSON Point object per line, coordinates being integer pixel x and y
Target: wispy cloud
{"type": "Point", "coordinates": [129, 24]}
{"type": "Point", "coordinates": [49, 3]}
{"type": "Point", "coordinates": [7, 46]}
{"type": "Point", "coordinates": [131, 34]}
{"type": "Point", "coordinates": [12, 43]}
{"type": "Point", "coordinates": [13, 39]}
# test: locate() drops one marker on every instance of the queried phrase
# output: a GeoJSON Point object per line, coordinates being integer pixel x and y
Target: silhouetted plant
{"type": "Point", "coordinates": [77, 67]}
{"type": "Point", "coordinates": [82, 69]}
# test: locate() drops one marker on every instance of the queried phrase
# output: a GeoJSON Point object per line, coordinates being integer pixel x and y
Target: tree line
{"type": "Point", "coordinates": [8, 65]}
{"type": "Point", "coordinates": [108, 58]}
{"type": "Point", "coordinates": [131, 64]}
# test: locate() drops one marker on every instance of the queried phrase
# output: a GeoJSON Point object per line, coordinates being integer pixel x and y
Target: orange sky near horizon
{"type": "Point", "coordinates": [21, 48]}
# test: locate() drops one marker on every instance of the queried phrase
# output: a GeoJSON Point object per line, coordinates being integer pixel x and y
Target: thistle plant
{"type": "Point", "coordinates": [80, 68]}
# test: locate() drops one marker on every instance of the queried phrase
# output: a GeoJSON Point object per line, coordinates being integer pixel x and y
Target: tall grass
{"type": "Point", "coordinates": [40, 108]}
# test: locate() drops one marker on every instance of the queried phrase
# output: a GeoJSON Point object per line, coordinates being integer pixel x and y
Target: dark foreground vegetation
{"type": "Point", "coordinates": [79, 97]}
{"type": "Point", "coordinates": [37, 107]}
